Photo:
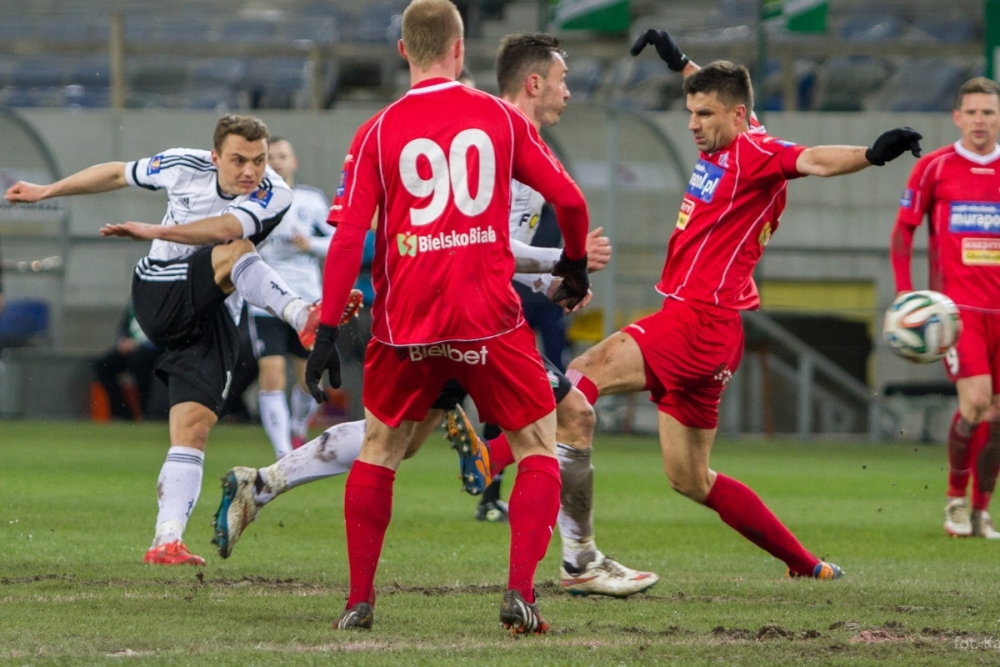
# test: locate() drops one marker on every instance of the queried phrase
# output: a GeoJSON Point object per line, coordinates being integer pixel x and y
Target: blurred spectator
{"type": "Point", "coordinates": [132, 353]}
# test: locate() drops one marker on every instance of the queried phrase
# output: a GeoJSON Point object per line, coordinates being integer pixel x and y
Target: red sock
{"type": "Point", "coordinates": [984, 474]}
{"type": "Point", "coordinates": [743, 510]}
{"type": "Point", "coordinates": [959, 455]}
{"type": "Point", "coordinates": [533, 507]}
{"type": "Point", "coordinates": [584, 384]}
{"type": "Point", "coordinates": [500, 454]}
{"type": "Point", "coordinates": [367, 509]}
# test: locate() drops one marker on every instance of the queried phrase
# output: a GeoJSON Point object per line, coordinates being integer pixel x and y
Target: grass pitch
{"type": "Point", "coordinates": [77, 504]}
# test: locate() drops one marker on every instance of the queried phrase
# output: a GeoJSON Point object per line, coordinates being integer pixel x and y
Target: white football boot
{"type": "Point", "coordinates": [605, 576]}
{"type": "Point", "coordinates": [956, 518]}
{"type": "Point", "coordinates": [982, 525]}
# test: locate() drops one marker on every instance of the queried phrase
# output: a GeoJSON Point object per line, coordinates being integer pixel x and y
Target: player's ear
{"type": "Point", "coordinates": [215, 158]}
{"type": "Point", "coordinates": [955, 116]}
{"type": "Point", "coordinates": [402, 50]}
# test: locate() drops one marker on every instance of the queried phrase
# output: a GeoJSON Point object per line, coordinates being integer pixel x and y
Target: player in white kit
{"type": "Point", "coordinates": [295, 249]}
{"type": "Point", "coordinates": [189, 292]}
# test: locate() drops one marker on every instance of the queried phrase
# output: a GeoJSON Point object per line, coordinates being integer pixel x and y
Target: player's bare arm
{"type": "Point", "coordinates": [530, 259]}
{"type": "Point", "coordinates": [209, 231]}
{"type": "Point", "coordinates": [103, 177]}
{"type": "Point", "coordinates": [839, 160]}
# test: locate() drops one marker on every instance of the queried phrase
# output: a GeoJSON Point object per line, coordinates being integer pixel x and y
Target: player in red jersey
{"type": "Point", "coordinates": [958, 188]}
{"type": "Point", "coordinates": [687, 352]}
{"type": "Point", "coordinates": [436, 167]}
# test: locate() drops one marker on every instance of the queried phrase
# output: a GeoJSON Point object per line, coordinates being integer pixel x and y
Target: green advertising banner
{"type": "Point", "coordinates": [606, 16]}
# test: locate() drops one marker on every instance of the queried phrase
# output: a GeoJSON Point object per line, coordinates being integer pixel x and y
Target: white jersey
{"type": "Point", "coordinates": [303, 271]}
{"type": "Point", "coordinates": [193, 194]}
{"type": "Point", "coordinates": [525, 212]}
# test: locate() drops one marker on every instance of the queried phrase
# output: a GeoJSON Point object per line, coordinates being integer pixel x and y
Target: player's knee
{"type": "Point", "coordinates": [689, 485]}
{"type": "Point", "coordinates": [975, 408]}
{"type": "Point", "coordinates": [576, 418]}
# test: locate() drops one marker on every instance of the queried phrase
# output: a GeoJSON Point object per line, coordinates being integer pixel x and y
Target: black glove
{"type": "Point", "coordinates": [324, 357]}
{"type": "Point", "coordinates": [665, 46]}
{"type": "Point", "coordinates": [575, 283]}
{"type": "Point", "coordinates": [890, 145]}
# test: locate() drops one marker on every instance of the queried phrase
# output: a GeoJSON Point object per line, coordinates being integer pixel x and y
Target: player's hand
{"type": "Point", "coordinates": [893, 143]}
{"type": "Point", "coordinates": [139, 231]}
{"type": "Point", "coordinates": [301, 242]}
{"type": "Point", "coordinates": [323, 358]}
{"type": "Point", "coordinates": [23, 192]}
{"type": "Point", "coordinates": [554, 287]}
{"type": "Point", "coordinates": [575, 284]}
{"type": "Point", "coordinates": [598, 250]}
{"type": "Point", "coordinates": [665, 46]}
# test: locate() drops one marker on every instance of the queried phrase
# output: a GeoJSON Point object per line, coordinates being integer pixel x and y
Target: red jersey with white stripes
{"type": "Point", "coordinates": [437, 166]}
{"type": "Point", "coordinates": [731, 208]}
{"type": "Point", "coordinates": [960, 192]}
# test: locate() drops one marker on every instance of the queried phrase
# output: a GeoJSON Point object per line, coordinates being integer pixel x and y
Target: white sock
{"type": "Point", "coordinates": [304, 406]}
{"type": "Point", "coordinates": [261, 286]}
{"type": "Point", "coordinates": [274, 417]}
{"type": "Point", "coordinates": [576, 507]}
{"type": "Point", "coordinates": [177, 489]}
{"type": "Point", "coordinates": [332, 453]}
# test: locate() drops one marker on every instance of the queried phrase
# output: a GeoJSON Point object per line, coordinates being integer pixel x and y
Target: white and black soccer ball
{"type": "Point", "coordinates": [922, 326]}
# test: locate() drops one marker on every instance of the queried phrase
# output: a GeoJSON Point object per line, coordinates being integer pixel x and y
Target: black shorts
{"type": "Point", "coordinates": [180, 308]}
{"type": "Point", "coordinates": [273, 337]}
{"type": "Point", "coordinates": [452, 393]}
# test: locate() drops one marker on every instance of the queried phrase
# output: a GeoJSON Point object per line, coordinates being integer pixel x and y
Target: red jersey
{"type": "Point", "coordinates": [437, 166]}
{"type": "Point", "coordinates": [731, 208]}
{"type": "Point", "coordinates": [960, 192]}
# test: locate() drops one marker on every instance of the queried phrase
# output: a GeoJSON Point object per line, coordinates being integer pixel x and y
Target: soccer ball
{"type": "Point", "coordinates": [922, 326]}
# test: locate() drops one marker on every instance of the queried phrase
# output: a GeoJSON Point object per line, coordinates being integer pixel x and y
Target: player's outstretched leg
{"type": "Point", "coordinates": [473, 457]}
{"type": "Point", "coordinates": [957, 522]}
{"type": "Point", "coordinates": [987, 469]}
{"type": "Point", "coordinates": [246, 490]}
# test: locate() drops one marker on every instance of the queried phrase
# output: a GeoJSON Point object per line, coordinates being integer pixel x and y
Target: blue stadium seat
{"type": "Point", "coordinates": [39, 72]}
{"type": "Point", "coordinates": [921, 84]}
{"type": "Point", "coordinates": [843, 82]}
{"type": "Point", "coordinates": [22, 320]}
{"type": "Point", "coordinates": [379, 23]}
{"type": "Point", "coordinates": [249, 31]}
{"type": "Point", "coordinates": [872, 27]}
{"type": "Point", "coordinates": [952, 29]}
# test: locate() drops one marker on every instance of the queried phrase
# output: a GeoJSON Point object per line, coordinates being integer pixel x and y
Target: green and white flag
{"type": "Point", "coordinates": [797, 15]}
{"type": "Point", "coordinates": [608, 16]}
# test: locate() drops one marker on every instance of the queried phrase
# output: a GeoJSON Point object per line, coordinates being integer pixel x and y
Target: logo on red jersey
{"type": "Point", "coordinates": [722, 374]}
{"type": "Point", "coordinates": [765, 234]}
{"type": "Point", "coordinates": [705, 181]}
{"type": "Point", "coordinates": [341, 187]}
{"type": "Point", "coordinates": [687, 208]}
{"type": "Point", "coordinates": [410, 244]}
{"type": "Point", "coordinates": [446, 351]}
{"type": "Point", "coordinates": [980, 252]}
{"type": "Point", "coordinates": [406, 244]}
{"type": "Point", "coordinates": [907, 199]}
{"type": "Point", "coordinates": [974, 218]}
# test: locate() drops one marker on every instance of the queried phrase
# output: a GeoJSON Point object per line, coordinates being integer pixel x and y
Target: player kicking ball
{"type": "Point", "coordinates": [188, 292]}
{"type": "Point", "coordinates": [531, 72]}
{"type": "Point", "coordinates": [685, 354]}
{"type": "Point", "coordinates": [958, 188]}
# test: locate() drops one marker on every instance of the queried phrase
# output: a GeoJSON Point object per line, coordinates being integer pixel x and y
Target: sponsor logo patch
{"type": "Point", "coordinates": [154, 165]}
{"type": "Point", "coordinates": [906, 201]}
{"type": "Point", "coordinates": [446, 351]}
{"type": "Point", "coordinates": [981, 252]}
{"type": "Point", "coordinates": [261, 196]}
{"type": "Point", "coordinates": [342, 186]}
{"type": "Point", "coordinates": [974, 218]}
{"type": "Point", "coordinates": [687, 208]}
{"type": "Point", "coordinates": [765, 234]}
{"type": "Point", "coordinates": [410, 244]}
{"type": "Point", "coordinates": [705, 181]}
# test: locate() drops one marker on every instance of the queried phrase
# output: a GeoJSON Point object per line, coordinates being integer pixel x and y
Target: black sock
{"type": "Point", "coordinates": [492, 492]}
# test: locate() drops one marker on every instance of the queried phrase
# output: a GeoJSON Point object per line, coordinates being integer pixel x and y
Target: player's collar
{"type": "Point", "coordinates": [976, 157]}
{"type": "Point", "coordinates": [432, 86]}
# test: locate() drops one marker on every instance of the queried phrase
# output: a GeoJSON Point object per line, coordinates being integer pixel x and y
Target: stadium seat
{"type": "Point", "coordinates": [921, 84]}
{"type": "Point", "coordinates": [842, 82]}
{"type": "Point", "coordinates": [20, 321]}
{"type": "Point", "coordinates": [248, 31]}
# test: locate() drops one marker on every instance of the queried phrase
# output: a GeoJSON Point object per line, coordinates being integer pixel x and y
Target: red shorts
{"type": "Point", "coordinates": [690, 352]}
{"type": "Point", "coordinates": [978, 349]}
{"type": "Point", "coordinates": [503, 375]}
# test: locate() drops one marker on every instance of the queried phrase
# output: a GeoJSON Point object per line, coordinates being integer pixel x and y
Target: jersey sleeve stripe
{"type": "Point", "coordinates": [135, 178]}
{"type": "Point", "coordinates": [258, 227]}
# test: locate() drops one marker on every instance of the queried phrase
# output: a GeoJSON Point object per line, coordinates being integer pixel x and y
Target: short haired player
{"type": "Point", "coordinates": [436, 167]}
{"type": "Point", "coordinates": [295, 249]}
{"type": "Point", "coordinates": [957, 188]}
{"type": "Point", "coordinates": [188, 292]}
{"type": "Point", "coordinates": [531, 72]}
{"type": "Point", "coordinates": [685, 353]}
